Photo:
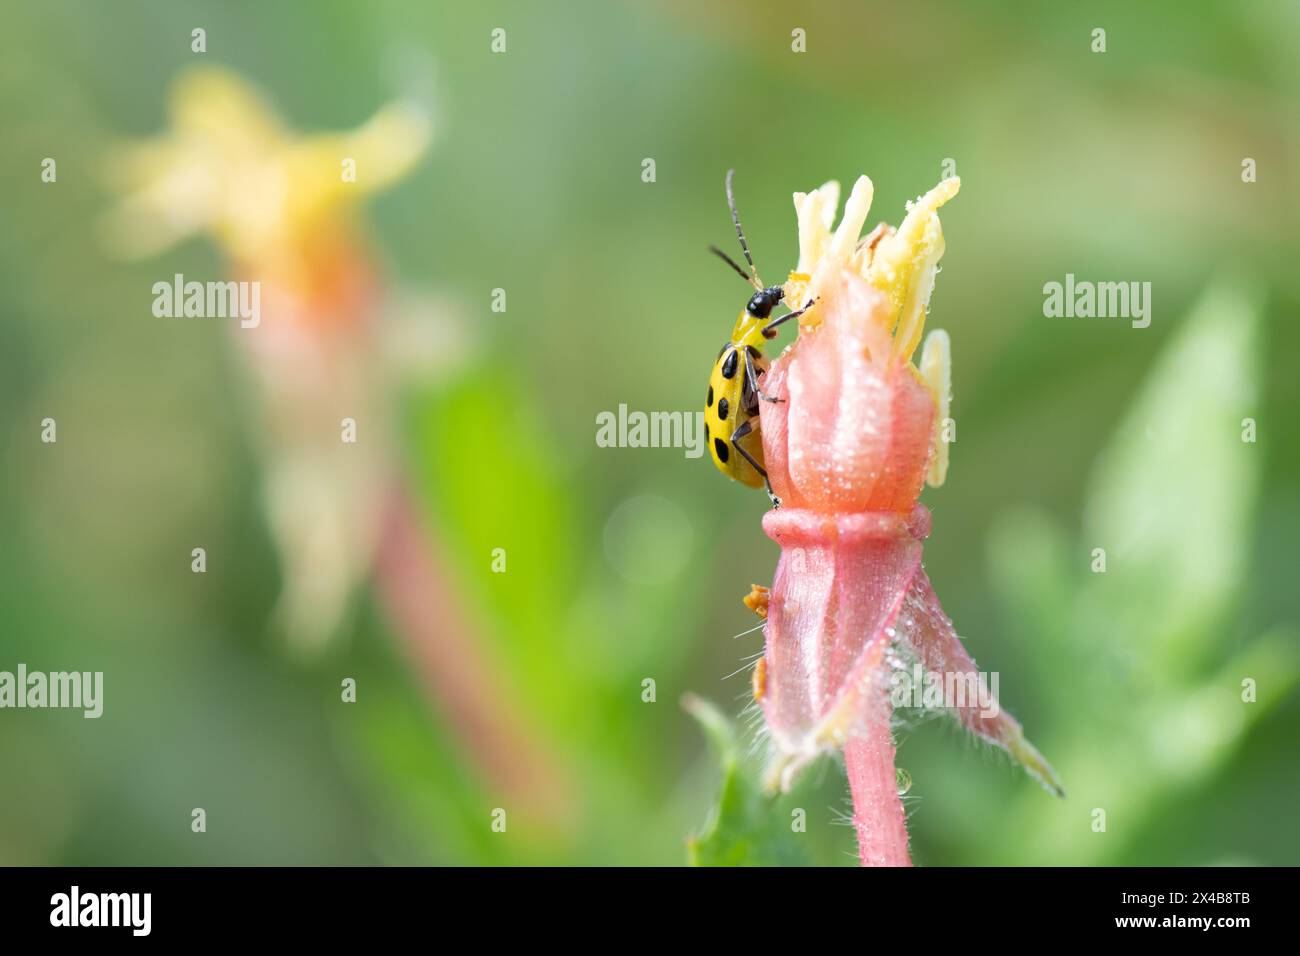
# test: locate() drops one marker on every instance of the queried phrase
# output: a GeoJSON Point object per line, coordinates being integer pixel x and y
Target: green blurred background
{"type": "Point", "coordinates": [626, 564]}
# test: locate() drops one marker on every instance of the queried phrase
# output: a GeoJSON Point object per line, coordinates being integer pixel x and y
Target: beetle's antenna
{"type": "Point", "coordinates": [729, 261]}
{"type": "Point", "coordinates": [740, 233]}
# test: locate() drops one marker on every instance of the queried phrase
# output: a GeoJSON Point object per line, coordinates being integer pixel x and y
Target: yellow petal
{"type": "Point", "coordinates": [856, 211]}
{"type": "Point", "coordinates": [936, 372]}
{"type": "Point", "coordinates": [904, 265]}
{"type": "Point", "coordinates": [816, 215]}
{"type": "Point", "coordinates": [917, 289]}
{"type": "Point", "coordinates": [229, 167]}
{"type": "Point", "coordinates": [219, 107]}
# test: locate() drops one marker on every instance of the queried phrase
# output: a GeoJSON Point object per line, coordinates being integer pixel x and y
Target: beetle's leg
{"type": "Point", "coordinates": [749, 387]}
{"type": "Point", "coordinates": [743, 431]}
{"type": "Point", "coordinates": [751, 380]}
{"type": "Point", "coordinates": [746, 428]}
{"type": "Point", "coordinates": [769, 330]}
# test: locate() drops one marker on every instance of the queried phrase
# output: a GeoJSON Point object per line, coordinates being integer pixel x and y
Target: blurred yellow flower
{"type": "Point", "coordinates": [280, 205]}
{"type": "Point", "coordinates": [228, 167]}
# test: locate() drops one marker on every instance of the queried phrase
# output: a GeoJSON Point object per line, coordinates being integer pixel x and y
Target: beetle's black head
{"type": "Point", "coordinates": [762, 302]}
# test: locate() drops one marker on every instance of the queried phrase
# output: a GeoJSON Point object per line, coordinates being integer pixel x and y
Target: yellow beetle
{"type": "Point", "coordinates": [731, 421]}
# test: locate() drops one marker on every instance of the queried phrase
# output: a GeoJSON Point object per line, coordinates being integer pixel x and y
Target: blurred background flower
{"type": "Point", "coordinates": [279, 206]}
{"type": "Point", "coordinates": [628, 564]}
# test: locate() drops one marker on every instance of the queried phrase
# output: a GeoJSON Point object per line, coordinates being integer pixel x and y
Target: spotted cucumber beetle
{"type": "Point", "coordinates": [731, 421]}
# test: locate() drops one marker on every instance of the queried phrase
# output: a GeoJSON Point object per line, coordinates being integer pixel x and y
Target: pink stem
{"type": "Point", "coordinates": [461, 680]}
{"type": "Point", "coordinates": [833, 614]}
{"type": "Point", "coordinates": [877, 808]}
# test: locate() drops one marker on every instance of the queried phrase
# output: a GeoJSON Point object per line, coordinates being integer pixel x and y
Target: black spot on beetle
{"type": "Point", "coordinates": [729, 364]}
{"type": "Point", "coordinates": [721, 450]}
{"type": "Point", "coordinates": [708, 402]}
{"type": "Point", "coordinates": [724, 409]}
{"type": "Point", "coordinates": [706, 434]}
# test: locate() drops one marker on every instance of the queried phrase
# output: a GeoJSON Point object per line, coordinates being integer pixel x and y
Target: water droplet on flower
{"type": "Point", "coordinates": [904, 780]}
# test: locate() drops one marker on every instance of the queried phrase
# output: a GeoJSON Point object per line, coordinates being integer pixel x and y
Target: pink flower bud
{"type": "Point", "coordinates": [849, 444]}
{"type": "Point", "coordinates": [855, 432]}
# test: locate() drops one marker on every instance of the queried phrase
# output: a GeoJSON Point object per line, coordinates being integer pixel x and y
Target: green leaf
{"type": "Point", "coordinates": [746, 827]}
{"type": "Point", "coordinates": [1029, 568]}
{"type": "Point", "coordinates": [1146, 694]}
{"type": "Point", "coordinates": [1189, 738]}
{"type": "Point", "coordinates": [1172, 498]}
